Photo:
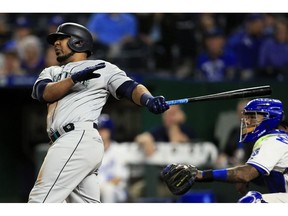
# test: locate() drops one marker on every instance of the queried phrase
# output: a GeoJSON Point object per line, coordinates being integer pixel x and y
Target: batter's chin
{"type": "Point", "coordinates": [64, 58]}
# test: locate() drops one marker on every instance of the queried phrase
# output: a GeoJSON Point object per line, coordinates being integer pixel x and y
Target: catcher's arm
{"type": "Point", "coordinates": [238, 174]}
{"type": "Point", "coordinates": [180, 177]}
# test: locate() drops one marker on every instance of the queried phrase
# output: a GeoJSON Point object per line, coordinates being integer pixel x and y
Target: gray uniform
{"type": "Point", "coordinates": [69, 168]}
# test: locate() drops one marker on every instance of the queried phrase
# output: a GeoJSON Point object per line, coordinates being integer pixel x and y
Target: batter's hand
{"type": "Point", "coordinates": [87, 73]}
{"type": "Point", "coordinates": [157, 104]}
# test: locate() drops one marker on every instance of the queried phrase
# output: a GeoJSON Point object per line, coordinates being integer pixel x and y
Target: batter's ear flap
{"type": "Point", "coordinates": [79, 44]}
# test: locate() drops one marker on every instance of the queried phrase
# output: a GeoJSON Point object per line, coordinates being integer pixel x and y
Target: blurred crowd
{"type": "Point", "coordinates": [208, 47]}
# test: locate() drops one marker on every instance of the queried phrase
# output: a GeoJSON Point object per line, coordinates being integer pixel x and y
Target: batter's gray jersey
{"type": "Point", "coordinates": [86, 99]}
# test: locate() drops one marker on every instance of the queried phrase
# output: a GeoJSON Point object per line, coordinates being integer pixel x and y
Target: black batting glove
{"type": "Point", "coordinates": [87, 73]}
{"type": "Point", "coordinates": [155, 105]}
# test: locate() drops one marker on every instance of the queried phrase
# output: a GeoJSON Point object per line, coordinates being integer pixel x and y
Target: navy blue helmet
{"type": "Point", "coordinates": [81, 39]}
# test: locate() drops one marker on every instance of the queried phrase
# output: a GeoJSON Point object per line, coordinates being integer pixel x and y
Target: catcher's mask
{"type": "Point", "coordinates": [260, 116]}
{"type": "Point", "coordinates": [80, 40]}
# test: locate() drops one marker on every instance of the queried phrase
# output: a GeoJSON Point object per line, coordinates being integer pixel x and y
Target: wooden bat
{"type": "Point", "coordinates": [239, 93]}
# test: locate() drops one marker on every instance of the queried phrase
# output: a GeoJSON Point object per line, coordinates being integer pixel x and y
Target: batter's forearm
{"type": "Point", "coordinates": [56, 90]}
{"type": "Point", "coordinates": [138, 91]}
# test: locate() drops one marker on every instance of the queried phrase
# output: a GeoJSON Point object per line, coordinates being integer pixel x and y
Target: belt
{"type": "Point", "coordinates": [70, 127]}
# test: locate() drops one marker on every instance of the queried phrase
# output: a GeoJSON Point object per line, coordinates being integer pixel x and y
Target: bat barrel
{"type": "Point", "coordinates": [240, 93]}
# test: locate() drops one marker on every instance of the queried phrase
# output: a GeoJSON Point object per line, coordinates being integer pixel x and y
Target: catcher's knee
{"type": "Point", "coordinates": [252, 197]}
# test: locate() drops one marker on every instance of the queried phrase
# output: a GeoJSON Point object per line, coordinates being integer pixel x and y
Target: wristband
{"type": "Point", "coordinates": [214, 175]}
{"type": "Point", "coordinates": [145, 98]}
{"type": "Point", "coordinates": [220, 175]}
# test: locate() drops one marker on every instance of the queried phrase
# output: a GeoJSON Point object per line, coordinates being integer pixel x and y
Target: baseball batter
{"type": "Point", "coordinates": [262, 125]}
{"type": "Point", "coordinates": [75, 93]}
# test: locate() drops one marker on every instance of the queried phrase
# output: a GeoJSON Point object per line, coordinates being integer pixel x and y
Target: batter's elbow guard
{"type": "Point", "coordinates": [39, 90]}
{"type": "Point", "coordinates": [126, 89]}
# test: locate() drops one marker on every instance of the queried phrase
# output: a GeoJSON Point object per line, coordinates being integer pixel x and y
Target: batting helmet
{"type": "Point", "coordinates": [80, 40]}
{"type": "Point", "coordinates": [273, 114]}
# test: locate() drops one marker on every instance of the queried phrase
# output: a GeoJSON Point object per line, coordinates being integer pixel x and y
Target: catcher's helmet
{"type": "Point", "coordinates": [80, 40]}
{"type": "Point", "coordinates": [273, 114]}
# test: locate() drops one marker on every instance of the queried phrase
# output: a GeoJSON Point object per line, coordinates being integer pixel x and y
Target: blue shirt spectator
{"type": "Point", "coordinates": [115, 36]}
{"type": "Point", "coordinates": [215, 70]}
{"type": "Point", "coordinates": [273, 57]}
{"type": "Point", "coordinates": [112, 28]}
{"type": "Point", "coordinates": [246, 44]}
{"type": "Point", "coordinates": [274, 54]}
{"type": "Point", "coordinates": [215, 63]}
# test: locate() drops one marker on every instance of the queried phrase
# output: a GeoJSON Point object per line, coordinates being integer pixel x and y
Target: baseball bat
{"type": "Point", "coordinates": [233, 94]}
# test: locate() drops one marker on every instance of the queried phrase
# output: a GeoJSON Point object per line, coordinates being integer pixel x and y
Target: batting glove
{"type": "Point", "coordinates": [155, 105]}
{"type": "Point", "coordinates": [87, 73]}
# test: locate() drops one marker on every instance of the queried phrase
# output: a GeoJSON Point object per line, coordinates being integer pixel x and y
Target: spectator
{"type": "Point", "coordinates": [273, 56]}
{"type": "Point", "coordinates": [5, 32]}
{"type": "Point", "coordinates": [215, 63]}
{"type": "Point", "coordinates": [11, 63]}
{"type": "Point", "coordinates": [149, 35]}
{"type": "Point", "coordinates": [149, 27]}
{"type": "Point", "coordinates": [54, 22]}
{"type": "Point", "coordinates": [113, 172]}
{"type": "Point", "coordinates": [22, 28]}
{"type": "Point", "coordinates": [51, 24]}
{"type": "Point", "coordinates": [173, 130]}
{"type": "Point", "coordinates": [28, 46]}
{"type": "Point", "coordinates": [159, 31]}
{"type": "Point", "coordinates": [233, 22]}
{"type": "Point", "coordinates": [31, 54]}
{"type": "Point", "coordinates": [205, 22]}
{"type": "Point", "coordinates": [269, 24]}
{"type": "Point", "coordinates": [246, 44]}
{"type": "Point", "coordinates": [185, 44]}
{"type": "Point", "coordinates": [113, 32]}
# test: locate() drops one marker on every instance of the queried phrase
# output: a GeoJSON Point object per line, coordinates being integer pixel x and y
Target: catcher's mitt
{"type": "Point", "coordinates": [179, 177]}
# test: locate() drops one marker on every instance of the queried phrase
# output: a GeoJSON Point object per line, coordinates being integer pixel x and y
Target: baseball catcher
{"type": "Point", "coordinates": [261, 124]}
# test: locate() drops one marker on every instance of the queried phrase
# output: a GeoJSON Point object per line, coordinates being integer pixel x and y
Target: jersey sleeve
{"type": "Point", "coordinates": [118, 77]}
{"type": "Point", "coordinates": [268, 154]}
